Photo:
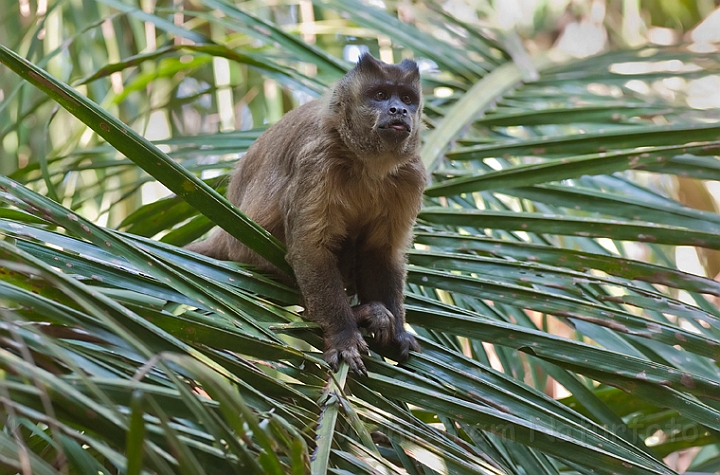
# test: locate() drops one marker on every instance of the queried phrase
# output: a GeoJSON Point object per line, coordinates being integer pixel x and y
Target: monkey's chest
{"type": "Point", "coordinates": [362, 212]}
{"type": "Point", "coordinates": [370, 211]}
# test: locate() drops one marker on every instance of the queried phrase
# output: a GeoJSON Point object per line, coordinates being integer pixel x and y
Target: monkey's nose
{"type": "Point", "coordinates": [395, 110]}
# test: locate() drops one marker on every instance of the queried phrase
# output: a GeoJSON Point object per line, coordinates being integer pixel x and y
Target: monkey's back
{"type": "Point", "coordinates": [262, 177]}
{"type": "Point", "coordinates": [260, 181]}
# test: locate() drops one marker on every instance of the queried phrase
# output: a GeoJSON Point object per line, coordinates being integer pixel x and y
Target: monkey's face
{"type": "Point", "coordinates": [395, 106]}
{"type": "Point", "coordinates": [381, 107]}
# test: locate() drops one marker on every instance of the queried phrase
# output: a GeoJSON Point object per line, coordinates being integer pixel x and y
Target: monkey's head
{"type": "Point", "coordinates": [379, 108]}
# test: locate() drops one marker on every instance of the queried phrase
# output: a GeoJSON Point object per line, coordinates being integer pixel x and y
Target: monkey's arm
{"type": "Point", "coordinates": [381, 278]}
{"type": "Point", "coordinates": [321, 283]}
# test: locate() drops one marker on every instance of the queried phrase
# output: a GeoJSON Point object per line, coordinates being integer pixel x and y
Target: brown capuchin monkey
{"type": "Point", "coordinates": [339, 180]}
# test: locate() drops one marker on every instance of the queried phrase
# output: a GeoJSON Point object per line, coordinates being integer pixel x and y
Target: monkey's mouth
{"type": "Point", "coordinates": [399, 125]}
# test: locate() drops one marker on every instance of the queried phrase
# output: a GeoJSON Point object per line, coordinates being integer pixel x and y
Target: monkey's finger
{"type": "Point", "coordinates": [405, 343]}
{"type": "Point", "coordinates": [356, 364]}
{"type": "Point", "coordinates": [415, 346]}
{"type": "Point", "coordinates": [378, 320]}
{"type": "Point", "coordinates": [331, 357]}
{"type": "Point", "coordinates": [362, 371]}
{"type": "Point", "coordinates": [372, 314]}
{"type": "Point", "coordinates": [354, 359]}
{"type": "Point", "coordinates": [383, 336]}
{"type": "Point", "coordinates": [383, 332]}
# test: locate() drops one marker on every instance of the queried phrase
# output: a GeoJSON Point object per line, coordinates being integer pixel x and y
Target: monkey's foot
{"type": "Point", "coordinates": [404, 342]}
{"type": "Point", "coordinates": [377, 319]}
{"type": "Point", "coordinates": [347, 345]}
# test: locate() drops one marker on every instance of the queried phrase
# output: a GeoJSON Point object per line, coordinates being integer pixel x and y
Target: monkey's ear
{"type": "Point", "coordinates": [410, 67]}
{"type": "Point", "coordinates": [368, 63]}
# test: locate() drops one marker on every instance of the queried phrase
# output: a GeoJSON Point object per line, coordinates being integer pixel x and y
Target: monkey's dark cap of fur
{"type": "Point", "coordinates": [368, 62]}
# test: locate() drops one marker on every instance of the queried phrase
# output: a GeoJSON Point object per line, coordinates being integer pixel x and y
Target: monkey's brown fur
{"type": "Point", "coordinates": [339, 181]}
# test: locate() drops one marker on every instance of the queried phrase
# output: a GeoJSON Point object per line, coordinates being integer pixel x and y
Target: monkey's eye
{"type": "Point", "coordinates": [380, 96]}
{"type": "Point", "coordinates": [406, 99]}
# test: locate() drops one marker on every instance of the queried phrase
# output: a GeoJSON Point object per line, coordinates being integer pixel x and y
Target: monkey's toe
{"type": "Point", "coordinates": [378, 320]}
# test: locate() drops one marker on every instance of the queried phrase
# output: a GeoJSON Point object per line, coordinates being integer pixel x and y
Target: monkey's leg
{"type": "Point", "coordinates": [321, 284]}
{"type": "Point", "coordinates": [381, 278]}
{"type": "Point", "coordinates": [214, 246]}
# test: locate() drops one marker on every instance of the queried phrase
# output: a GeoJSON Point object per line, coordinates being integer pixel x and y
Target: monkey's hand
{"type": "Point", "coordinates": [348, 345]}
{"type": "Point", "coordinates": [377, 319]}
{"type": "Point", "coordinates": [404, 342]}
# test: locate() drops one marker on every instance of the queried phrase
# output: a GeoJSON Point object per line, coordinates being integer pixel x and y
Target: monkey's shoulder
{"type": "Point", "coordinates": [299, 123]}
